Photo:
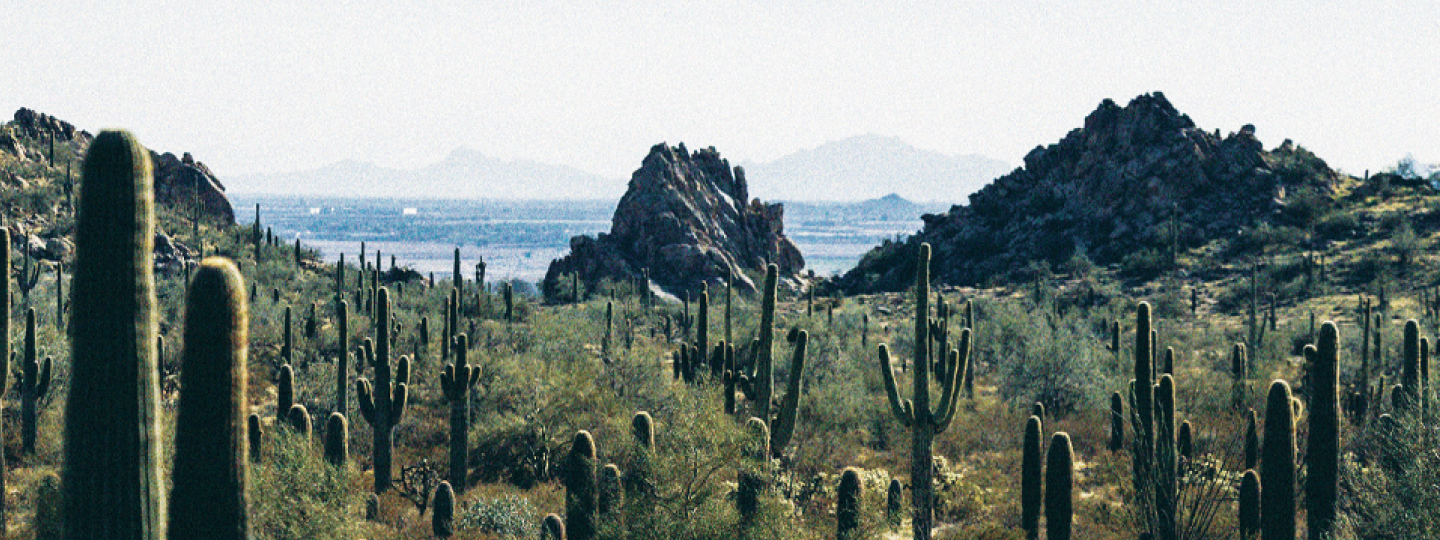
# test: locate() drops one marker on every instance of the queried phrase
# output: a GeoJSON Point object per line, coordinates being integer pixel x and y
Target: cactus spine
{"type": "Point", "coordinates": [1031, 490]}
{"type": "Point", "coordinates": [210, 473]}
{"type": "Point", "coordinates": [1059, 481]}
{"type": "Point", "coordinates": [1277, 470]}
{"type": "Point", "coordinates": [1322, 450]}
{"type": "Point", "coordinates": [580, 497]}
{"type": "Point", "coordinates": [337, 440]}
{"type": "Point", "coordinates": [455, 383]}
{"type": "Point", "coordinates": [34, 384]}
{"type": "Point", "coordinates": [112, 439]}
{"type": "Point", "coordinates": [847, 506]}
{"type": "Point", "coordinates": [916, 413]}
{"type": "Point", "coordinates": [442, 520]}
{"type": "Point", "coordinates": [383, 404]}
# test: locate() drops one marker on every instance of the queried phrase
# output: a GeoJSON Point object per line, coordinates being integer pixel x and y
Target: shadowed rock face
{"type": "Point", "coordinates": [688, 218]}
{"type": "Point", "coordinates": [1107, 189]}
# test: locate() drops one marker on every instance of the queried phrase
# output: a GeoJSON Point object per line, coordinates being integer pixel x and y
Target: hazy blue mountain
{"type": "Point", "coordinates": [870, 167]}
{"type": "Point", "coordinates": [464, 174]}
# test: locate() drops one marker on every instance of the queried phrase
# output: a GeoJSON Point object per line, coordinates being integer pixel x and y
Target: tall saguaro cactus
{"type": "Point", "coordinates": [1322, 451]}
{"type": "Point", "coordinates": [112, 437]}
{"type": "Point", "coordinates": [455, 383]}
{"type": "Point", "coordinates": [34, 384]}
{"type": "Point", "coordinates": [1031, 488]}
{"type": "Point", "coordinates": [342, 375]}
{"type": "Point", "coordinates": [210, 473]}
{"type": "Point", "coordinates": [1059, 485]}
{"type": "Point", "coordinates": [782, 423]}
{"type": "Point", "coordinates": [383, 403]}
{"type": "Point", "coordinates": [916, 413]}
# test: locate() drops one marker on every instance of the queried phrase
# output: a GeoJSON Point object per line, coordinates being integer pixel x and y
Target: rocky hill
{"type": "Point", "coordinates": [688, 218]}
{"type": "Point", "coordinates": [1134, 178]}
{"type": "Point", "coordinates": [179, 181]}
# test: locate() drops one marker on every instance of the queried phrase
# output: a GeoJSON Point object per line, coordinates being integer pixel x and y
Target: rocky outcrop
{"type": "Point", "coordinates": [688, 219]}
{"type": "Point", "coordinates": [183, 183]}
{"type": "Point", "coordinates": [1126, 181]}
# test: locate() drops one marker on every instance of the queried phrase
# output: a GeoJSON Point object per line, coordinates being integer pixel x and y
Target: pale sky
{"type": "Point", "coordinates": [264, 86]}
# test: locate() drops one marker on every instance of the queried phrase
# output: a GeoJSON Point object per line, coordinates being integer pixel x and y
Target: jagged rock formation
{"type": "Point", "coordinates": [1132, 178]}
{"type": "Point", "coordinates": [688, 218]}
{"type": "Point", "coordinates": [179, 182]}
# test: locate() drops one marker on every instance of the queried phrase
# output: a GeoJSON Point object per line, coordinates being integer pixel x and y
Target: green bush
{"type": "Point", "coordinates": [507, 516]}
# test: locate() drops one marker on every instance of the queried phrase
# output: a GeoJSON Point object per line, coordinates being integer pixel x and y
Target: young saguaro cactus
{"type": "Point", "coordinates": [284, 391]}
{"type": "Point", "coordinates": [1117, 422]}
{"type": "Point", "coordinates": [455, 383]}
{"type": "Point", "coordinates": [847, 506]}
{"type": "Point", "coordinates": [442, 520]}
{"type": "Point", "coordinates": [916, 413]}
{"type": "Point", "coordinates": [1031, 489]}
{"type": "Point", "coordinates": [1059, 483]}
{"type": "Point", "coordinates": [1277, 468]}
{"type": "Point", "coordinates": [337, 439]}
{"type": "Point", "coordinates": [1410, 372]}
{"type": "Point", "coordinates": [210, 473]}
{"type": "Point", "coordinates": [383, 403]}
{"type": "Point", "coordinates": [34, 384]}
{"type": "Point", "coordinates": [580, 498]}
{"type": "Point", "coordinates": [1249, 505]}
{"type": "Point", "coordinates": [1322, 451]}
{"type": "Point", "coordinates": [112, 436]}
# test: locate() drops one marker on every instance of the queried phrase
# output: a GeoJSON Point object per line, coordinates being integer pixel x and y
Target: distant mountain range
{"type": "Point", "coordinates": [853, 169]}
{"type": "Point", "coordinates": [870, 167]}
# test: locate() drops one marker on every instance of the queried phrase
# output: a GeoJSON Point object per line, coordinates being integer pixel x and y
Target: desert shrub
{"type": "Point", "coordinates": [1339, 226]}
{"type": "Point", "coordinates": [1396, 474]}
{"type": "Point", "coordinates": [507, 516]}
{"type": "Point", "coordinates": [296, 494]}
{"type": "Point", "coordinates": [1145, 263]}
{"type": "Point", "coordinates": [1045, 359]}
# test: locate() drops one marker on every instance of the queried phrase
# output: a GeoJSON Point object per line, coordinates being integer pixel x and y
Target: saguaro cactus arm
{"type": "Point", "coordinates": [950, 392]}
{"type": "Point", "coordinates": [790, 404]}
{"type": "Point", "coordinates": [900, 406]}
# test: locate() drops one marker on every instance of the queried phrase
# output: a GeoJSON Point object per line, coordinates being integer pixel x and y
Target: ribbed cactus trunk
{"type": "Point", "coordinates": [847, 506]}
{"type": "Point", "coordinates": [1117, 422]}
{"type": "Point", "coordinates": [383, 404]}
{"type": "Point", "coordinates": [763, 380]}
{"type": "Point", "coordinates": [34, 384]}
{"type": "Point", "coordinates": [1410, 371]}
{"type": "Point", "coordinates": [581, 500]}
{"type": "Point", "coordinates": [1031, 471]}
{"type": "Point", "coordinates": [917, 413]}
{"type": "Point", "coordinates": [1277, 469]}
{"type": "Point", "coordinates": [210, 499]}
{"type": "Point", "coordinates": [337, 439]}
{"type": "Point", "coordinates": [112, 483]}
{"type": "Point", "coordinates": [1166, 485]}
{"type": "Point", "coordinates": [442, 520]}
{"type": "Point", "coordinates": [4, 355]}
{"type": "Point", "coordinates": [1059, 483]}
{"type": "Point", "coordinates": [455, 383]}
{"type": "Point", "coordinates": [1322, 450]}
{"type": "Point", "coordinates": [1249, 505]}
{"type": "Point", "coordinates": [342, 373]}
{"type": "Point", "coordinates": [1143, 415]}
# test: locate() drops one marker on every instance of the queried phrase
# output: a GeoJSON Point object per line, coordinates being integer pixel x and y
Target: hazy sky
{"type": "Point", "coordinates": [259, 86]}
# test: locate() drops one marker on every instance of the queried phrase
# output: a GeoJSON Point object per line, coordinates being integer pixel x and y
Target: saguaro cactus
{"type": "Point", "coordinates": [210, 499]}
{"type": "Point", "coordinates": [762, 382]}
{"type": "Point", "coordinates": [34, 384]}
{"type": "Point", "coordinates": [610, 495]}
{"type": "Point", "coordinates": [1277, 470]}
{"type": "Point", "coordinates": [455, 383]}
{"type": "Point", "coordinates": [1410, 372]}
{"type": "Point", "coordinates": [337, 440]}
{"type": "Point", "coordinates": [1322, 451]}
{"type": "Point", "coordinates": [1117, 422]}
{"type": "Point", "coordinates": [112, 438]}
{"type": "Point", "coordinates": [255, 435]}
{"type": "Point", "coordinates": [1031, 489]}
{"type": "Point", "coordinates": [847, 506]}
{"type": "Point", "coordinates": [442, 520]}
{"type": "Point", "coordinates": [383, 404]}
{"type": "Point", "coordinates": [284, 390]}
{"type": "Point", "coordinates": [342, 375]}
{"type": "Point", "coordinates": [1143, 406]}
{"type": "Point", "coordinates": [553, 528]}
{"type": "Point", "coordinates": [1059, 481]}
{"type": "Point", "coordinates": [916, 413]}
{"type": "Point", "coordinates": [580, 497]}
{"type": "Point", "coordinates": [1166, 485]}
{"type": "Point", "coordinates": [1249, 504]}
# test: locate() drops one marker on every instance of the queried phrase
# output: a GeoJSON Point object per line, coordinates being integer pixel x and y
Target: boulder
{"type": "Point", "coordinates": [687, 218]}
{"type": "Point", "coordinates": [183, 183]}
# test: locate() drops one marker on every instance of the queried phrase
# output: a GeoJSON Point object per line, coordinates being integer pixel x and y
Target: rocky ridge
{"type": "Point", "coordinates": [687, 218]}
{"type": "Point", "coordinates": [1132, 178]}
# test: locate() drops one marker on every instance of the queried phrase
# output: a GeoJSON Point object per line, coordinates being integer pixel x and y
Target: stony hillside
{"type": "Point", "coordinates": [1139, 180]}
